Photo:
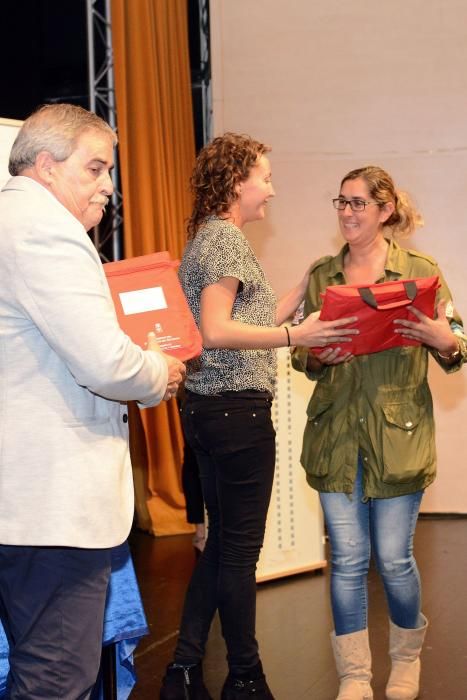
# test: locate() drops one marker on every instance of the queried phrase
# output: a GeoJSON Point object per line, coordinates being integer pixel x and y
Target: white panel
{"type": "Point", "coordinates": [337, 85]}
{"type": "Point", "coordinates": [294, 533]}
{"type": "Point", "coordinates": [8, 130]}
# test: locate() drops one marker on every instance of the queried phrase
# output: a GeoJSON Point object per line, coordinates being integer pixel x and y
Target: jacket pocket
{"type": "Point", "coordinates": [316, 448]}
{"type": "Point", "coordinates": [407, 442]}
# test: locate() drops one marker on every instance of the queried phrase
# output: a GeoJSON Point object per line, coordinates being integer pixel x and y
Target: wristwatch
{"type": "Point", "coordinates": [452, 357]}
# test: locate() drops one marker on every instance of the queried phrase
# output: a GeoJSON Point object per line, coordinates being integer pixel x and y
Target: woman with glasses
{"type": "Point", "coordinates": [369, 441]}
{"type": "Point", "coordinates": [226, 411]}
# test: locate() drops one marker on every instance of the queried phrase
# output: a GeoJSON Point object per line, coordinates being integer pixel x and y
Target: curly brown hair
{"type": "Point", "coordinates": [220, 166]}
{"type": "Point", "coordinates": [405, 218]}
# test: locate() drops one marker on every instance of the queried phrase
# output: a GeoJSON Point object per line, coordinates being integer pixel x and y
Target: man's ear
{"type": "Point", "coordinates": [386, 211]}
{"type": "Point", "coordinates": [45, 167]}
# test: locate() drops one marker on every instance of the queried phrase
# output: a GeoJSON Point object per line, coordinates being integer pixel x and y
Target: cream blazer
{"type": "Point", "coordinates": [66, 370]}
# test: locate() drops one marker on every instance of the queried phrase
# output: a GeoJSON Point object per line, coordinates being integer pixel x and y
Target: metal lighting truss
{"type": "Point", "coordinates": [202, 77]}
{"type": "Point", "coordinates": [108, 236]}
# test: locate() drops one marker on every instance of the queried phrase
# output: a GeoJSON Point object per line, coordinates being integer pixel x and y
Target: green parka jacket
{"type": "Point", "coordinates": [379, 404]}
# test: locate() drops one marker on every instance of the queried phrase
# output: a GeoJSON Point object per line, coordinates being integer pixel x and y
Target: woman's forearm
{"type": "Point", "coordinates": [289, 303]}
{"type": "Point", "coordinates": [237, 335]}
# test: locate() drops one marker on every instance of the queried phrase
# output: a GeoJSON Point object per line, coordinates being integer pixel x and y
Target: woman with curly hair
{"type": "Point", "coordinates": [227, 410]}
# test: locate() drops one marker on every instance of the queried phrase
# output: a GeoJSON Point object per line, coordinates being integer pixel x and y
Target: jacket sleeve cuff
{"type": "Point", "coordinates": [450, 366]}
{"type": "Point", "coordinates": [299, 362]}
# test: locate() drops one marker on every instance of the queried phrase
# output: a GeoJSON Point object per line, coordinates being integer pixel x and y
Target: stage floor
{"type": "Point", "coordinates": [294, 620]}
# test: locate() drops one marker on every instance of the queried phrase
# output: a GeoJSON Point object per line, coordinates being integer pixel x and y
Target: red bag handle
{"type": "Point", "coordinates": [370, 299]}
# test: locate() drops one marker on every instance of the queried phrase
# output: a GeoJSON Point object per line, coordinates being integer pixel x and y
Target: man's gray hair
{"type": "Point", "coordinates": [55, 129]}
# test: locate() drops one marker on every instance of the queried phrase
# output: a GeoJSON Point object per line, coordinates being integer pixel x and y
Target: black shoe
{"type": "Point", "coordinates": [184, 683]}
{"type": "Point", "coordinates": [242, 688]}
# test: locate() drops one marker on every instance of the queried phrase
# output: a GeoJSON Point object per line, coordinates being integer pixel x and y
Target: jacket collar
{"type": "Point", "coordinates": [393, 268]}
{"type": "Point", "coordinates": [28, 184]}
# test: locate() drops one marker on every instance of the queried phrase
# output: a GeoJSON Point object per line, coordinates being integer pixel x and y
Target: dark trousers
{"type": "Point", "coordinates": [191, 484]}
{"type": "Point", "coordinates": [52, 602]}
{"type": "Point", "coordinates": [234, 442]}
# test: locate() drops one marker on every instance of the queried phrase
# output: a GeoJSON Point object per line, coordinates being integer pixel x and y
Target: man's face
{"type": "Point", "coordinates": [82, 182]}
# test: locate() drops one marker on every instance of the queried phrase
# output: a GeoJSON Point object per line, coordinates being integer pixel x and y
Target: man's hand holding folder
{"type": "Point", "coordinates": [176, 368]}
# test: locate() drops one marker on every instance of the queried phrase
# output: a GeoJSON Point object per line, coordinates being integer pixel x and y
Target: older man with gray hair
{"type": "Point", "coordinates": [66, 371]}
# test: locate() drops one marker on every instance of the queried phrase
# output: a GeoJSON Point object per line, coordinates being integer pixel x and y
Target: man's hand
{"type": "Point", "coordinates": [177, 369]}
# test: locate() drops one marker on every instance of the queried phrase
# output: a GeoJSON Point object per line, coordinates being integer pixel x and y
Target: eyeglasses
{"type": "Point", "coordinates": [355, 204]}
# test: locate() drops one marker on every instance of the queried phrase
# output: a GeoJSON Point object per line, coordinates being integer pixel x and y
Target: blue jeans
{"type": "Point", "coordinates": [356, 528]}
{"type": "Point", "coordinates": [233, 439]}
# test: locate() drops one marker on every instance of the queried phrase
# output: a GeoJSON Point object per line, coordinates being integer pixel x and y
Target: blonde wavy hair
{"type": "Point", "coordinates": [220, 166]}
{"type": "Point", "coordinates": [405, 218]}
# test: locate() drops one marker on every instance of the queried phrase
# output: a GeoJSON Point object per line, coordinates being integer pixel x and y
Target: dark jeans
{"type": "Point", "coordinates": [52, 602]}
{"type": "Point", "coordinates": [234, 442]}
{"type": "Point", "coordinates": [191, 484]}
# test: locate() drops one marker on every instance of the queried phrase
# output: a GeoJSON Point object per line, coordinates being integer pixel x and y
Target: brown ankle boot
{"type": "Point", "coordinates": [353, 663]}
{"type": "Point", "coordinates": [405, 646]}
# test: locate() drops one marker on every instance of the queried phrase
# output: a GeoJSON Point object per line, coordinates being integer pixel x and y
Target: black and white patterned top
{"type": "Point", "coordinates": [218, 250]}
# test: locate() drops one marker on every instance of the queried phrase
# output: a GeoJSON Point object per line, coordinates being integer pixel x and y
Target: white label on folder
{"type": "Point", "coordinates": [141, 300]}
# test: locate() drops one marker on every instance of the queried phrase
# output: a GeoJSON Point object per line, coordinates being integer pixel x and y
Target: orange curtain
{"type": "Point", "coordinates": [156, 148]}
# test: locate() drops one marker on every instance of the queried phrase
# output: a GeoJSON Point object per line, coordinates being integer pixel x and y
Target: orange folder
{"type": "Point", "coordinates": [148, 297]}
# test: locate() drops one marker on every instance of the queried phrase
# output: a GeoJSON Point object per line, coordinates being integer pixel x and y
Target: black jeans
{"type": "Point", "coordinates": [191, 484]}
{"type": "Point", "coordinates": [234, 442]}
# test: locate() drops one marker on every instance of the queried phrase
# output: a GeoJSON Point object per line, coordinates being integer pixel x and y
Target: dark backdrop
{"type": "Point", "coordinates": [43, 49]}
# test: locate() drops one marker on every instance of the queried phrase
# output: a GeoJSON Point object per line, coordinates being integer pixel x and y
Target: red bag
{"type": "Point", "coordinates": [148, 297]}
{"type": "Point", "coordinates": [376, 307]}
